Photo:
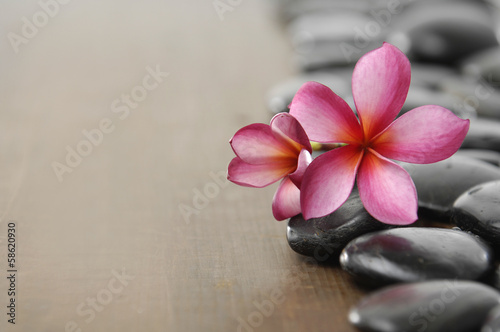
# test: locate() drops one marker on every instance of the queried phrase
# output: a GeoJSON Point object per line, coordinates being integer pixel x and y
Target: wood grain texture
{"type": "Point", "coordinates": [119, 211]}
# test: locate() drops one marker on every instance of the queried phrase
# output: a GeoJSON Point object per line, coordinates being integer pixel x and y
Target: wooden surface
{"type": "Point", "coordinates": [127, 228]}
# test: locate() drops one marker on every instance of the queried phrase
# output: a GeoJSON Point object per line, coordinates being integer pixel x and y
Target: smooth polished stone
{"type": "Point", "coordinates": [281, 95]}
{"type": "Point", "coordinates": [489, 156]}
{"type": "Point", "coordinates": [478, 211]}
{"type": "Point", "coordinates": [484, 65]}
{"type": "Point", "coordinates": [416, 254]}
{"type": "Point", "coordinates": [483, 134]}
{"type": "Point", "coordinates": [492, 323]}
{"type": "Point", "coordinates": [494, 3]}
{"type": "Point", "coordinates": [430, 75]}
{"type": "Point", "coordinates": [495, 280]}
{"type": "Point", "coordinates": [421, 95]}
{"type": "Point", "coordinates": [324, 238]}
{"type": "Point", "coordinates": [327, 55]}
{"type": "Point", "coordinates": [444, 31]}
{"type": "Point", "coordinates": [440, 184]}
{"type": "Point", "coordinates": [327, 39]}
{"type": "Point", "coordinates": [475, 96]}
{"type": "Point", "coordinates": [430, 306]}
{"type": "Point", "coordinates": [291, 9]}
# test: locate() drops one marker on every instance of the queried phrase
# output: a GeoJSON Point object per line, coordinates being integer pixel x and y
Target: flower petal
{"type": "Point", "coordinates": [250, 175]}
{"type": "Point", "coordinates": [288, 129]}
{"type": "Point", "coordinates": [305, 159]}
{"type": "Point", "coordinates": [387, 190]}
{"type": "Point", "coordinates": [380, 83]}
{"type": "Point", "coordinates": [325, 116]}
{"type": "Point", "coordinates": [286, 201]}
{"type": "Point", "coordinates": [329, 180]}
{"type": "Point", "coordinates": [426, 134]}
{"type": "Point", "coordinates": [257, 144]}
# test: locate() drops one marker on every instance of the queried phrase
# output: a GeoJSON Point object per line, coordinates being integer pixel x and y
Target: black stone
{"type": "Point", "coordinates": [421, 95]}
{"type": "Point", "coordinates": [324, 238]}
{"type": "Point", "coordinates": [495, 280]}
{"type": "Point", "coordinates": [440, 184]}
{"type": "Point", "coordinates": [291, 9]}
{"type": "Point", "coordinates": [483, 134]}
{"type": "Point", "coordinates": [489, 156]}
{"type": "Point", "coordinates": [327, 39]}
{"type": "Point", "coordinates": [430, 306]}
{"type": "Point", "coordinates": [492, 323]}
{"type": "Point", "coordinates": [430, 75]}
{"type": "Point", "coordinates": [444, 31]}
{"type": "Point", "coordinates": [484, 65]}
{"type": "Point", "coordinates": [478, 211]}
{"type": "Point", "coordinates": [416, 254]}
{"type": "Point", "coordinates": [476, 96]}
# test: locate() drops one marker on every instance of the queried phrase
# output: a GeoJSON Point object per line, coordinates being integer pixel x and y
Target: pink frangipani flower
{"type": "Point", "coordinates": [268, 153]}
{"type": "Point", "coordinates": [427, 134]}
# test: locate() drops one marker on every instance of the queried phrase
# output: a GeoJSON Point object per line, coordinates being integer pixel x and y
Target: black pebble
{"type": "Point", "coordinates": [430, 306]}
{"type": "Point", "coordinates": [414, 254]}
{"type": "Point", "coordinates": [324, 238]}
{"type": "Point", "coordinates": [478, 211]}
{"type": "Point", "coordinates": [440, 184]}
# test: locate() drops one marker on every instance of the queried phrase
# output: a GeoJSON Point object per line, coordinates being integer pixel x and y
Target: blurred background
{"type": "Point", "coordinates": [115, 118]}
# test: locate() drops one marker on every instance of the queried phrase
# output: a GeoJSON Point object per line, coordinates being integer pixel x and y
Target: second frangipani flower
{"type": "Point", "coordinates": [268, 153]}
{"type": "Point", "coordinates": [427, 134]}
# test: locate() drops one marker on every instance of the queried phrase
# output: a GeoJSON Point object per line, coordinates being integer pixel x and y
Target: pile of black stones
{"type": "Point", "coordinates": [439, 274]}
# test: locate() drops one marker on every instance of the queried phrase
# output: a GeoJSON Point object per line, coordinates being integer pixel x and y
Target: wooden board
{"type": "Point", "coordinates": [115, 118]}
